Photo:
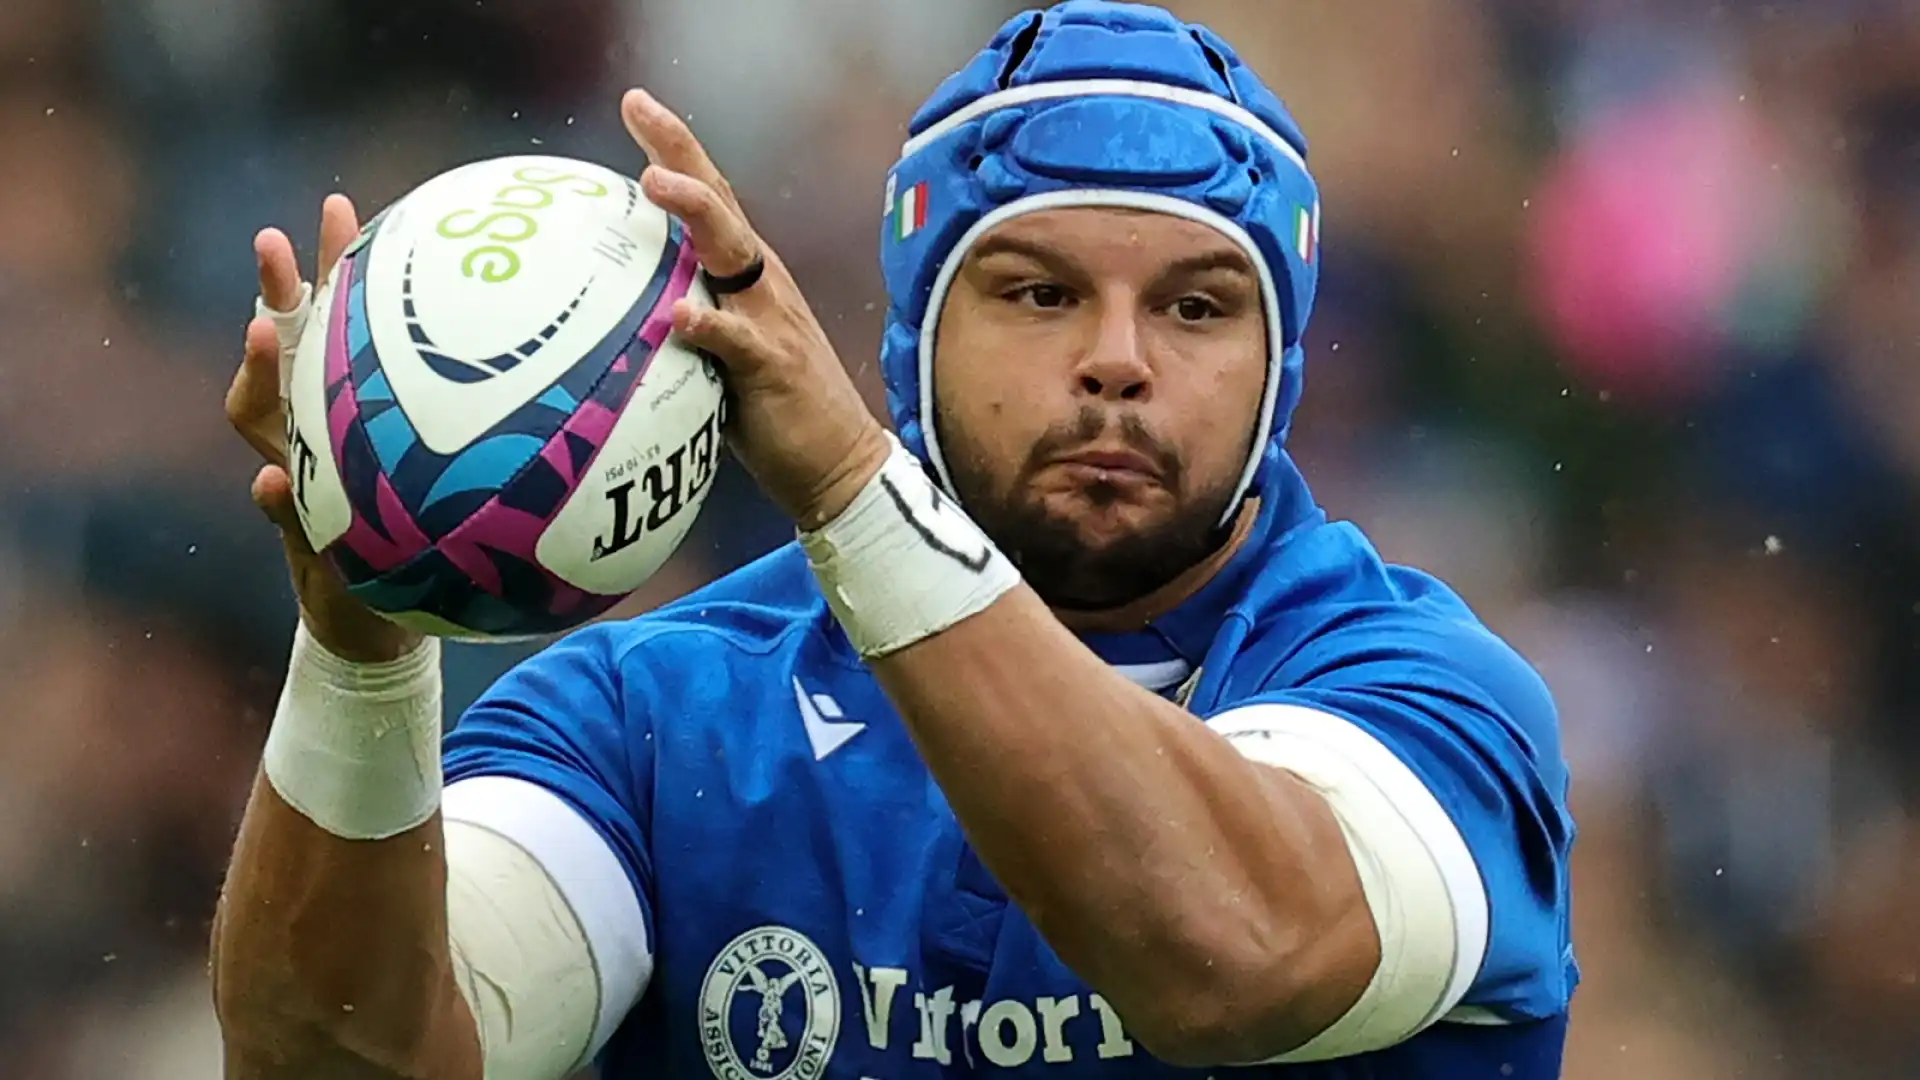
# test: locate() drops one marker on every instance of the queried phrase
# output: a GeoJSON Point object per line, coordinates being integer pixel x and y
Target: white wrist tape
{"type": "Point", "coordinates": [287, 327]}
{"type": "Point", "coordinates": [356, 747]}
{"type": "Point", "coordinates": [903, 562]}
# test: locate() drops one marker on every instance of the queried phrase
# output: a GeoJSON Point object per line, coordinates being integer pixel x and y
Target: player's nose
{"type": "Point", "coordinates": [1114, 366]}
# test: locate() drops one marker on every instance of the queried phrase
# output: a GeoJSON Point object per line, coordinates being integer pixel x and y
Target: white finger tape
{"type": "Point", "coordinates": [287, 328]}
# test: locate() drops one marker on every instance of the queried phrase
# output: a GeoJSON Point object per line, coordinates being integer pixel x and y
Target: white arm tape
{"type": "Point", "coordinates": [903, 562]}
{"type": "Point", "coordinates": [1422, 886]}
{"type": "Point", "coordinates": [546, 924]}
{"type": "Point", "coordinates": [356, 747]}
{"type": "Point", "coordinates": [520, 958]}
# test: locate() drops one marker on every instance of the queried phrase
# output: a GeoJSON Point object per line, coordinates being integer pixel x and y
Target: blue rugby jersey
{"type": "Point", "coordinates": [812, 909]}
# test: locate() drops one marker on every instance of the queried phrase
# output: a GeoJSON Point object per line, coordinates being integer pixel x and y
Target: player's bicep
{"type": "Point", "coordinates": [1437, 749]}
{"type": "Point", "coordinates": [1425, 896]}
{"type": "Point", "coordinates": [549, 939]}
{"type": "Point", "coordinates": [548, 810]}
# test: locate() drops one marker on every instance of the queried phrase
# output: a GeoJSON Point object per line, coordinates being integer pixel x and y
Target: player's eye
{"type": "Point", "coordinates": [1042, 294]}
{"type": "Point", "coordinates": [1196, 309]}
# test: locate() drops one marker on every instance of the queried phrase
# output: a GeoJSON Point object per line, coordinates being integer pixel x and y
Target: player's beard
{"type": "Point", "coordinates": [1057, 561]}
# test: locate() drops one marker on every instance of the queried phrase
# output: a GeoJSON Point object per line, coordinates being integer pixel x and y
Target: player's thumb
{"type": "Point", "coordinates": [273, 494]}
{"type": "Point", "coordinates": [340, 623]}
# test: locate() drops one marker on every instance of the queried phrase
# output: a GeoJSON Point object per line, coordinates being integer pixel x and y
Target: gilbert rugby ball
{"type": "Point", "coordinates": [492, 431]}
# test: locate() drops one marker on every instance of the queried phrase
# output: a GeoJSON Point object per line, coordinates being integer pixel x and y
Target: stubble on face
{"type": "Point", "coordinates": [1065, 538]}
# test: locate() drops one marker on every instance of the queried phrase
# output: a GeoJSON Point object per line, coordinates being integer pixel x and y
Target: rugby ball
{"type": "Point", "coordinates": [493, 433]}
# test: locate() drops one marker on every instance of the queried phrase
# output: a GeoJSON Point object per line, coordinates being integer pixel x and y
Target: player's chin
{"type": "Point", "coordinates": [1104, 515]}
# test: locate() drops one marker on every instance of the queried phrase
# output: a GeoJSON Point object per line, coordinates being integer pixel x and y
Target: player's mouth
{"type": "Point", "coordinates": [1119, 467]}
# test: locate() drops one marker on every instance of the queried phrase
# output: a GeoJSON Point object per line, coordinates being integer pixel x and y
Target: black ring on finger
{"type": "Point", "coordinates": [729, 284]}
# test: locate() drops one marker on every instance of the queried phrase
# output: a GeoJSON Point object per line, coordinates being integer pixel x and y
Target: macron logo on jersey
{"type": "Point", "coordinates": [828, 729]}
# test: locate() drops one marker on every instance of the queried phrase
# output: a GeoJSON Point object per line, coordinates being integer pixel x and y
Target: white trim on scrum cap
{"type": "Point", "coordinates": [1047, 91]}
{"type": "Point", "coordinates": [1130, 200]}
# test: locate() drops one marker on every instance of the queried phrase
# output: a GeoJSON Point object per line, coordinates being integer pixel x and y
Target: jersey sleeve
{"type": "Point", "coordinates": [1443, 734]}
{"type": "Point", "coordinates": [555, 757]}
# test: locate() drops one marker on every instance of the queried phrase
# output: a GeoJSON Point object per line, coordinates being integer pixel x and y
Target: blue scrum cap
{"type": "Point", "coordinates": [1092, 103]}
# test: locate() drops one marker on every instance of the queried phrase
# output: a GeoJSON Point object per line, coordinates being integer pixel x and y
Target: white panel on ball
{"type": "Point", "coordinates": [634, 506]}
{"type": "Point", "coordinates": [488, 279]}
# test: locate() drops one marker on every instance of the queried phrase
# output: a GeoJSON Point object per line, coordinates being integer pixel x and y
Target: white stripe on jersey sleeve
{"type": "Point", "coordinates": [1421, 883]}
{"type": "Point", "coordinates": [591, 889]}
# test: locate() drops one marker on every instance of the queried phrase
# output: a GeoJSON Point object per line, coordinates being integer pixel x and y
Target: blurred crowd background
{"type": "Point", "coordinates": [1619, 331]}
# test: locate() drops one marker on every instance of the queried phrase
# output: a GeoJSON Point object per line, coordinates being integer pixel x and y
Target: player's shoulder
{"type": "Point", "coordinates": [1326, 608]}
{"type": "Point", "coordinates": [1332, 628]}
{"type": "Point", "coordinates": [754, 611]}
{"type": "Point", "coordinates": [738, 639]}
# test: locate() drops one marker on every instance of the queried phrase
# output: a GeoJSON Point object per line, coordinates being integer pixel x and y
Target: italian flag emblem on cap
{"type": "Point", "coordinates": [908, 208]}
{"type": "Point", "coordinates": [1306, 231]}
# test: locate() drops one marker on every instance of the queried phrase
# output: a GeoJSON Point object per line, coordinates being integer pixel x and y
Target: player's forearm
{"type": "Point", "coordinates": [1204, 895]}
{"type": "Point", "coordinates": [330, 956]}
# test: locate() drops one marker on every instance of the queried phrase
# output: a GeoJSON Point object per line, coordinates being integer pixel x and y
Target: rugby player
{"type": "Point", "coordinates": [1069, 739]}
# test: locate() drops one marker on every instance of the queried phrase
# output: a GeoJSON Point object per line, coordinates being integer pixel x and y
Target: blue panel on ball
{"type": "Point", "coordinates": [360, 473]}
{"type": "Point", "coordinates": [432, 585]}
{"type": "Point", "coordinates": [375, 388]}
{"type": "Point", "coordinates": [557, 397]}
{"type": "Point", "coordinates": [359, 334]}
{"type": "Point", "coordinates": [392, 436]}
{"type": "Point", "coordinates": [487, 465]}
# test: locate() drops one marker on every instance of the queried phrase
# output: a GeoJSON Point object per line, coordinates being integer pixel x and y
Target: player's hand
{"type": "Point", "coordinates": [797, 422]}
{"type": "Point", "coordinates": [256, 406]}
